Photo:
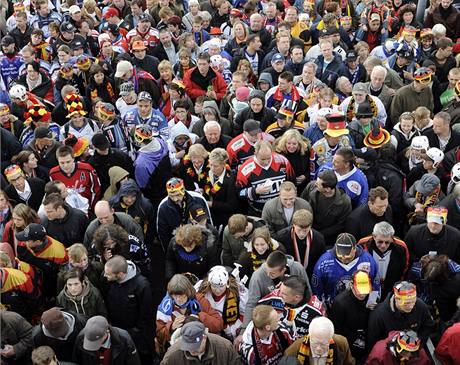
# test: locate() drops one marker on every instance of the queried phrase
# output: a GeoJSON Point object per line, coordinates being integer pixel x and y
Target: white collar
{"type": "Point", "coordinates": [347, 175]}
{"type": "Point", "coordinates": [26, 189]}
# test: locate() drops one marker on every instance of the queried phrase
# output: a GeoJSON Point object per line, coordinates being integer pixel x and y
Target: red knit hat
{"type": "Point", "coordinates": [79, 145]}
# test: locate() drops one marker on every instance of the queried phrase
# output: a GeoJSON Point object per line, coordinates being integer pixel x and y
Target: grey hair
{"type": "Point", "coordinates": [321, 325]}
{"type": "Point", "coordinates": [205, 15]}
{"type": "Point", "coordinates": [444, 116]}
{"type": "Point", "coordinates": [211, 123]}
{"type": "Point", "coordinates": [384, 229]}
{"type": "Point", "coordinates": [339, 81]}
{"type": "Point", "coordinates": [312, 65]}
{"type": "Point", "coordinates": [439, 29]}
{"type": "Point", "coordinates": [372, 61]}
{"type": "Point", "coordinates": [381, 69]}
{"type": "Point", "coordinates": [218, 154]}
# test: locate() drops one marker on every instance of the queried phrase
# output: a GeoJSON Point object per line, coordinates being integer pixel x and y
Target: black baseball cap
{"type": "Point", "coordinates": [33, 232]}
{"type": "Point", "coordinates": [345, 243]}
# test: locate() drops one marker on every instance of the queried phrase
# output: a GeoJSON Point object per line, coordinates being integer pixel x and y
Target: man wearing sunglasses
{"type": "Point", "coordinates": [410, 97]}
{"type": "Point", "coordinates": [390, 253]}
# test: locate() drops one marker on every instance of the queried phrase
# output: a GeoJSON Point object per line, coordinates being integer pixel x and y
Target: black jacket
{"type": "Point", "coordinates": [222, 143]}
{"type": "Point", "coordinates": [453, 216]}
{"type": "Point", "coordinates": [130, 307]}
{"type": "Point", "coordinates": [265, 117]}
{"type": "Point", "coordinates": [361, 221]}
{"type": "Point", "coordinates": [123, 349]}
{"type": "Point", "coordinates": [225, 202]}
{"type": "Point", "coordinates": [37, 187]}
{"type": "Point", "coordinates": [420, 241]}
{"type": "Point", "coordinates": [59, 113]}
{"type": "Point", "coordinates": [46, 158]}
{"type": "Point", "coordinates": [10, 147]}
{"type": "Point", "coordinates": [149, 64]}
{"type": "Point", "coordinates": [102, 164]}
{"type": "Point", "coordinates": [385, 318]}
{"type": "Point", "coordinates": [68, 230]}
{"type": "Point", "coordinates": [21, 39]}
{"type": "Point", "coordinates": [16, 331]}
{"type": "Point", "coordinates": [62, 348]}
{"type": "Point", "coordinates": [454, 140]}
{"type": "Point", "coordinates": [317, 247]}
{"type": "Point", "coordinates": [240, 55]}
{"type": "Point", "coordinates": [159, 52]}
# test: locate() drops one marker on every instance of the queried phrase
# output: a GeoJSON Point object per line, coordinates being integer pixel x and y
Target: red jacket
{"type": "Point", "coordinates": [448, 349]}
{"type": "Point", "coordinates": [196, 85]}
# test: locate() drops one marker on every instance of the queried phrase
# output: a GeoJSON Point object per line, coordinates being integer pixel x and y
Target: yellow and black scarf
{"type": "Point", "coordinates": [304, 352]}
{"type": "Point", "coordinates": [231, 312]}
{"type": "Point", "coordinates": [351, 108]}
{"type": "Point", "coordinates": [426, 201]}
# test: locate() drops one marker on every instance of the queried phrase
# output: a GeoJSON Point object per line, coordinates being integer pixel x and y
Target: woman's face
{"type": "Point", "coordinates": [325, 102]}
{"type": "Point", "coordinates": [174, 95]}
{"type": "Point", "coordinates": [218, 290]}
{"type": "Point", "coordinates": [129, 200]}
{"type": "Point", "coordinates": [190, 43]}
{"type": "Point", "coordinates": [197, 161]}
{"type": "Point", "coordinates": [180, 299]}
{"type": "Point", "coordinates": [292, 145]}
{"type": "Point", "coordinates": [18, 221]}
{"type": "Point", "coordinates": [194, 8]}
{"type": "Point", "coordinates": [32, 162]}
{"type": "Point", "coordinates": [245, 68]}
{"type": "Point", "coordinates": [3, 202]}
{"type": "Point", "coordinates": [260, 245]}
{"type": "Point", "coordinates": [31, 73]}
{"type": "Point", "coordinates": [63, 57]}
{"type": "Point", "coordinates": [406, 125]}
{"type": "Point", "coordinates": [166, 74]}
{"type": "Point", "coordinates": [99, 78]}
{"type": "Point", "coordinates": [216, 167]}
{"type": "Point", "coordinates": [82, 264]}
{"type": "Point", "coordinates": [210, 116]}
{"type": "Point", "coordinates": [239, 31]}
{"type": "Point", "coordinates": [74, 286]}
{"type": "Point", "coordinates": [408, 17]}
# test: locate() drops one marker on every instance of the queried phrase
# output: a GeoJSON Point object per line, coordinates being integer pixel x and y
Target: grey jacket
{"type": "Point", "coordinates": [16, 331]}
{"type": "Point", "coordinates": [384, 95]}
{"type": "Point", "coordinates": [261, 284]}
{"type": "Point", "coordinates": [273, 213]}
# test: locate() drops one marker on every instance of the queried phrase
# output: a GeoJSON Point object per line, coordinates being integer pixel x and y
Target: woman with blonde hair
{"type": "Point", "coordinates": [194, 168]}
{"type": "Point", "coordinates": [227, 296]}
{"type": "Point", "coordinates": [239, 34]}
{"type": "Point", "coordinates": [166, 77]}
{"type": "Point", "coordinates": [22, 216]}
{"type": "Point", "coordinates": [296, 149]}
{"type": "Point", "coordinates": [191, 251]}
{"type": "Point", "coordinates": [259, 248]}
{"type": "Point", "coordinates": [180, 302]}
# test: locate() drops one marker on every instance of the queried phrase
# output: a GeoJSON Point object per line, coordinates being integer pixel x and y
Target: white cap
{"type": "Point", "coordinates": [122, 68]}
{"type": "Point", "coordinates": [435, 154]}
{"type": "Point", "coordinates": [218, 276]}
{"type": "Point", "coordinates": [455, 173]}
{"type": "Point", "coordinates": [420, 143]}
{"type": "Point", "coordinates": [324, 111]}
{"type": "Point", "coordinates": [74, 9]}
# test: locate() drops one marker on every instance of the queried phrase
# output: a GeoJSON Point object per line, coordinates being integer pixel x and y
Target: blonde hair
{"type": "Point", "coordinates": [264, 233]}
{"type": "Point", "coordinates": [165, 65]}
{"type": "Point", "coordinates": [280, 144]}
{"type": "Point", "coordinates": [261, 315]}
{"type": "Point", "coordinates": [5, 260]}
{"type": "Point", "coordinates": [77, 251]}
{"type": "Point", "coordinates": [245, 27]}
{"type": "Point", "coordinates": [219, 154]}
{"type": "Point", "coordinates": [26, 213]}
{"type": "Point", "coordinates": [197, 150]}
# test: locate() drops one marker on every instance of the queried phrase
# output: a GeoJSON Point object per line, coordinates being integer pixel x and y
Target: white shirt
{"type": "Point", "coordinates": [25, 195]}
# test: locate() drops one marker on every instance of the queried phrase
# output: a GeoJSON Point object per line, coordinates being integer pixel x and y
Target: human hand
{"type": "Point", "coordinates": [300, 179]}
{"type": "Point", "coordinates": [180, 154]}
{"type": "Point", "coordinates": [263, 189]}
{"type": "Point", "coordinates": [178, 322]}
{"type": "Point", "coordinates": [237, 342]}
{"type": "Point", "coordinates": [8, 351]}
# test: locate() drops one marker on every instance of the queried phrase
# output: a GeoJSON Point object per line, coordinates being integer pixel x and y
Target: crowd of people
{"type": "Point", "coordinates": [213, 182]}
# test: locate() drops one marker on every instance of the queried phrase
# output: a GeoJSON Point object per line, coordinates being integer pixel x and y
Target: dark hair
{"type": "Point", "coordinates": [204, 56]}
{"type": "Point", "coordinates": [182, 104]}
{"type": "Point", "coordinates": [388, 152]}
{"type": "Point", "coordinates": [328, 178]}
{"type": "Point", "coordinates": [298, 285]}
{"type": "Point", "coordinates": [74, 272]}
{"type": "Point", "coordinates": [444, 43]}
{"type": "Point", "coordinates": [64, 151]}
{"type": "Point", "coordinates": [287, 75]}
{"type": "Point", "coordinates": [35, 65]}
{"type": "Point", "coordinates": [378, 192]}
{"type": "Point", "coordinates": [347, 154]}
{"type": "Point", "coordinates": [251, 38]}
{"type": "Point", "coordinates": [114, 232]}
{"type": "Point", "coordinates": [52, 187]}
{"type": "Point", "coordinates": [95, 69]}
{"type": "Point", "coordinates": [38, 32]}
{"type": "Point", "coordinates": [55, 199]}
{"type": "Point", "coordinates": [276, 259]}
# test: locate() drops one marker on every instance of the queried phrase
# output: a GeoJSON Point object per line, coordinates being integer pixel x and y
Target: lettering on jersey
{"type": "Point", "coordinates": [82, 177]}
{"type": "Point", "coordinates": [354, 187]}
{"type": "Point", "coordinates": [246, 170]}
{"type": "Point", "coordinates": [237, 145]}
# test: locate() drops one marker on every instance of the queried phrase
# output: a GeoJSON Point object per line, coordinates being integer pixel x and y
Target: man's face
{"type": "Point", "coordinates": [446, 3]}
{"type": "Point", "coordinates": [136, 10]}
{"type": "Point", "coordinates": [256, 105]}
{"type": "Point", "coordinates": [44, 9]}
{"type": "Point", "coordinates": [359, 96]}
{"type": "Point", "coordinates": [21, 22]}
{"type": "Point", "coordinates": [288, 295]}
{"type": "Point", "coordinates": [109, 275]}
{"type": "Point", "coordinates": [301, 232]}
{"type": "Point", "coordinates": [278, 66]}
{"type": "Point", "coordinates": [177, 197]}
{"type": "Point", "coordinates": [275, 273]}
{"type": "Point", "coordinates": [270, 12]}
{"type": "Point", "coordinates": [308, 74]}
{"type": "Point", "coordinates": [284, 85]}
{"type": "Point", "coordinates": [378, 207]}
{"type": "Point", "coordinates": [287, 198]}
{"type": "Point", "coordinates": [145, 107]}
{"type": "Point", "coordinates": [105, 215]}
{"type": "Point", "coordinates": [252, 137]}
{"type": "Point", "coordinates": [346, 258]}
{"type": "Point", "coordinates": [212, 134]}
{"type": "Point", "coordinates": [256, 23]}
{"type": "Point", "coordinates": [51, 212]}
{"type": "Point", "coordinates": [297, 55]}
{"type": "Point", "coordinates": [439, 127]}
{"type": "Point", "coordinates": [321, 188]}
{"type": "Point", "coordinates": [382, 242]}
{"type": "Point", "coordinates": [119, 3]}
{"type": "Point", "coordinates": [291, 16]}
{"type": "Point", "coordinates": [201, 349]}
{"type": "Point", "coordinates": [338, 162]}
{"type": "Point", "coordinates": [256, 44]}
{"type": "Point", "coordinates": [66, 163]}
{"type": "Point", "coordinates": [319, 342]}
{"type": "Point", "coordinates": [421, 85]}
{"type": "Point", "coordinates": [165, 39]}
{"type": "Point", "coordinates": [33, 244]}
{"type": "Point", "coordinates": [326, 50]}
{"type": "Point", "coordinates": [74, 286]}
{"type": "Point", "coordinates": [143, 27]}
{"type": "Point", "coordinates": [31, 73]}
{"type": "Point", "coordinates": [264, 157]}
{"type": "Point", "coordinates": [139, 53]}
{"type": "Point", "coordinates": [283, 45]}
{"type": "Point", "coordinates": [405, 304]}
{"type": "Point", "coordinates": [453, 78]}
{"type": "Point", "coordinates": [18, 181]}
{"type": "Point", "coordinates": [434, 228]}
{"type": "Point", "coordinates": [203, 67]}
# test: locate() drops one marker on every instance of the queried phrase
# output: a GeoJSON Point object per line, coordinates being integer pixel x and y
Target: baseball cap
{"type": "Point", "coordinates": [123, 67]}
{"type": "Point", "coordinates": [251, 126]}
{"type": "Point", "coordinates": [427, 184]}
{"type": "Point", "coordinates": [197, 213]}
{"type": "Point", "coordinates": [95, 330]}
{"type": "Point", "coordinates": [126, 88]}
{"type": "Point", "coordinates": [100, 141]}
{"type": "Point", "coordinates": [360, 87]}
{"type": "Point", "coordinates": [436, 215]}
{"type": "Point", "coordinates": [352, 55]}
{"type": "Point", "coordinates": [362, 282]}
{"type": "Point", "coordinates": [77, 44]}
{"type": "Point", "coordinates": [145, 18]}
{"type": "Point", "coordinates": [7, 40]}
{"type": "Point", "coordinates": [420, 143]}
{"type": "Point", "coordinates": [278, 57]}
{"type": "Point", "coordinates": [43, 132]}
{"type": "Point", "coordinates": [33, 232]}
{"type": "Point", "coordinates": [138, 46]}
{"type": "Point", "coordinates": [144, 95]}
{"type": "Point", "coordinates": [110, 12]}
{"type": "Point", "coordinates": [435, 154]}
{"type": "Point", "coordinates": [67, 27]}
{"type": "Point", "coordinates": [192, 334]}
{"type": "Point", "coordinates": [54, 322]}
{"type": "Point", "coordinates": [344, 244]}
{"type": "Point", "coordinates": [74, 9]}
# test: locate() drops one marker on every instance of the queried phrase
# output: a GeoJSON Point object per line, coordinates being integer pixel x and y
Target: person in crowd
{"type": "Point", "coordinates": [447, 348]}
{"type": "Point", "coordinates": [442, 136]}
{"type": "Point", "coordinates": [182, 301]}
{"type": "Point", "coordinates": [361, 220]}
{"type": "Point", "coordinates": [278, 212]}
{"type": "Point", "coordinates": [27, 161]}
{"type": "Point", "coordinates": [16, 337]}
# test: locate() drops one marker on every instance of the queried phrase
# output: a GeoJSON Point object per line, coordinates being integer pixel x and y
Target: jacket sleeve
{"type": "Point", "coordinates": [267, 216]}
{"type": "Point", "coordinates": [136, 230]}
{"type": "Point", "coordinates": [427, 324]}
{"type": "Point", "coordinates": [230, 205]}
{"type": "Point", "coordinates": [132, 357]}
{"type": "Point", "coordinates": [396, 108]}
{"type": "Point", "coordinates": [220, 86]}
{"type": "Point", "coordinates": [376, 329]}
{"type": "Point", "coordinates": [255, 293]}
{"type": "Point", "coordinates": [24, 334]}
{"type": "Point", "coordinates": [445, 349]}
{"type": "Point", "coordinates": [317, 282]}
{"type": "Point", "coordinates": [163, 228]}
{"type": "Point", "coordinates": [340, 223]}
{"type": "Point", "coordinates": [352, 226]}
{"type": "Point", "coordinates": [163, 331]}
{"type": "Point", "coordinates": [209, 316]}
{"type": "Point", "coordinates": [170, 263]}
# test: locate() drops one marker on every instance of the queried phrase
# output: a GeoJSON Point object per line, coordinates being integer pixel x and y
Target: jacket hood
{"type": "Point", "coordinates": [179, 129]}
{"type": "Point", "coordinates": [116, 174]}
{"type": "Point", "coordinates": [82, 295]}
{"type": "Point", "coordinates": [211, 104]}
{"type": "Point", "coordinates": [413, 132]}
{"type": "Point", "coordinates": [131, 273]}
{"type": "Point", "coordinates": [70, 320]}
{"type": "Point", "coordinates": [257, 94]}
{"type": "Point", "coordinates": [265, 76]}
{"type": "Point", "coordinates": [155, 145]}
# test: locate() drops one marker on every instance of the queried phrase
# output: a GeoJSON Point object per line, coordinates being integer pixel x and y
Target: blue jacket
{"type": "Point", "coordinates": [330, 277]}
{"type": "Point", "coordinates": [156, 120]}
{"type": "Point", "coordinates": [333, 70]}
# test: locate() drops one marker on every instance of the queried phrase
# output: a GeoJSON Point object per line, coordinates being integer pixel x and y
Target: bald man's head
{"type": "Point", "coordinates": [104, 212]}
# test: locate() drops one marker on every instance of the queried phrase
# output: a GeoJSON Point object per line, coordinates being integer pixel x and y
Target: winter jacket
{"type": "Point", "coordinates": [198, 262]}
{"type": "Point", "coordinates": [420, 241]}
{"type": "Point", "coordinates": [241, 55]}
{"type": "Point", "coordinates": [329, 220]}
{"type": "Point", "coordinates": [453, 215]}
{"type": "Point", "coordinates": [94, 272]}
{"type": "Point", "coordinates": [361, 221]}
{"type": "Point", "coordinates": [386, 317]}
{"type": "Point", "coordinates": [330, 277]}
{"type": "Point", "coordinates": [63, 347]}
{"type": "Point", "coordinates": [105, 91]}
{"type": "Point", "coordinates": [123, 349]}
{"type": "Point", "coordinates": [400, 140]}
{"type": "Point", "coordinates": [448, 348]}
{"type": "Point", "coordinates": [232, 246]}
{"type": "Point", "coordinates": [398, 265]}
{"type": "Point", "coordinates": [44, 90]}
{"type": "Point", "coordinates": [16, 331]}
{"type": "Point", "coordinates": [148, 160]}
{"type": "Point", "coordinates": [129, 306]}
{"type": "Point", "coordinates": [382, 355]}
{"type": "Point", "coordinates": [226, 126]}
{"type": "Point", "coordinates": [207, 315]}
{"type": "Point", "coordinates": [384, 95]}
{"type": "Point", "coordinates": [177, 130]}
{"type": "Point", "coordinates": [407, 99]}
{"type": "Point", "coordinates": [10, 147]}
{"type": "Point", "coordinates": [266, 117]}
{"type": "Point", "coordinates": [454, 140]}
{"type": "Point", "coordinates": [122, 219]}
{"type": "Point", "coordinates": [68, 230]}
{"type": "Point", "coordinates": [47, 157]}
{"type": "Point", "coordinates": [197, 84]}
{"type": "Point", "coordinates": [273, 213]}
{"type": "Point", "coordinates": [37, 187]}
{"type": "Point", "coordinates": [169, 215]}
{"type": "Point", "coordinates": [333, 71]}
{"type": "Point", "coordinates": [389, 176]}
{"type": "Point", "coordinates": [115, 174]}
{"type": "Point", "coordinates": [449, 17]}
{"type": "Point", "coordinates": [88, 303]}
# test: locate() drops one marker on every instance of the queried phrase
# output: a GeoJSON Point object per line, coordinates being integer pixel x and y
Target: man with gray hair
{"type": "Point", "coordinates": [321, 345]}
{"type": "Point", "coordinates": [390, 253]}
{"type": "Point", "coordinates": [307, 81]}
{"type": "Point", "coordinates": [213, 137]}
{"type": "Point", "coordinates": [442, 136]}
{"type": "Point", "coordinates": [377, 86]}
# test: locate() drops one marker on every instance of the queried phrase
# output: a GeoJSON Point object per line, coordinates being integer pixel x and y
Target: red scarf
{"type": "Point", "coordinates": [278, 95]}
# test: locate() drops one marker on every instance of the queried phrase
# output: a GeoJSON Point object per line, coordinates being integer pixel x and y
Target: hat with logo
{"type": "Point", "coordinates": [336, 125]}
{"type": "Point", "coordinates": [278, 57]}
{"type": "Point", "coordinates": [144, 95]}
{"type": "Point", "coordinates": [94, 333]}
{"type": "Point", "coordinates": [197, 213]}
{"type": "Point", "coordinates": [344, 243]}
{"type": "Point", "coordinates": [7, 40]}
{"type": "Point", "coordinates": [138, 46]}
{"type": "Point", "coordinates": [33, 232]}
{"type": "Point", "coordinates": [352, 55]}
{"type": "Point", "coordinates": [74, 9]}
{"type": "Point", "coordinates": [54, 322]}
{"type": "Point", "coordinates": [105, 111]}
{"type": "Point", "coordinates": [436, 215]}
{"type": "Point", "coordinates": [426, 32]}
{"type": "Point", "coordinates": [408, 340]}
{"type": "Point", "coordinates": [67, 27]}
{"type": "Point", "coordinates": [192, 334]}
{"type": "Point", "coordinates": [420, 143]}
{"type": "Point", "coordinates": [362, 282]}
{"type": "Point", "coordinates": [145, 18]}
{"type": "Point", "coordinates": [423, 74]}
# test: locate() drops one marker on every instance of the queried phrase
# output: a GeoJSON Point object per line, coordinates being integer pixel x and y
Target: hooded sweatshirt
{"type": "Point", "coordinates": [148, 159]}
{"type": "Point", "coordinates": [178, 130]}
{"type": "Point", "coordinates": [116, 174]}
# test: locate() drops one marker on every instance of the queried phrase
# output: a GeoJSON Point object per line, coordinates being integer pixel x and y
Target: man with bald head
{"type": "Point", "coordinates": [104, 215]}
{"type": "Point", "coordinates": [256, 26]}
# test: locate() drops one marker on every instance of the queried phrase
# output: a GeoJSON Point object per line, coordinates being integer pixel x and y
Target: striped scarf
{"type": "Point", "coordinates": [304, 352]}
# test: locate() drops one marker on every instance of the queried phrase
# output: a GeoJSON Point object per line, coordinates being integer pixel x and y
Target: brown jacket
{"type": "Point", "coordinates": [218, 351]}
{"type": "Point", "coordinates": [343, 350]}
